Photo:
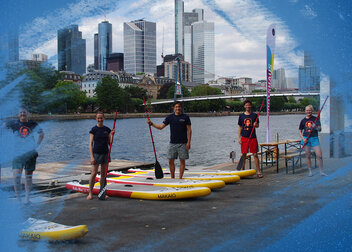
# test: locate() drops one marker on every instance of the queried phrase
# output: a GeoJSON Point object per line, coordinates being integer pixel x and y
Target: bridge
{"type": "Point", "coordinates": [240, 96]}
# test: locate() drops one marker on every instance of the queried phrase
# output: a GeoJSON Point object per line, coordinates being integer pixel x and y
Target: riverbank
{"type": "Point", "coordinates": [47, 117]}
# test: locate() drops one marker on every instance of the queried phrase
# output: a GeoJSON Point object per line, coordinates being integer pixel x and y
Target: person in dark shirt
{"type": "Point", "coordinates": [180, 137]}
{"type": "Point", "coordinates": [99, 140]}
{"type": "Point", "coordinates": [310, 126]}
{"type": "Point", "coordinates": [246, 122]}
{"type": "Point", "coordinates": [26, 145]}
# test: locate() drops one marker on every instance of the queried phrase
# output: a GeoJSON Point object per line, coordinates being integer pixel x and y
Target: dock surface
{"type": "Point", "coordinates": [280, 212]}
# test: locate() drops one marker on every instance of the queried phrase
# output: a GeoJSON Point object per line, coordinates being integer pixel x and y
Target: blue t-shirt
{"type": "Point", "coordinates": [306, 126]}
{"type": "Point", "coordinates": [178, 127]}
{"type": "Point", "coordinates": [246, 122]}
{"type": "Point", "coordinates": [101, 139]}
{"type": "Point", "coordinates": [24, 132]}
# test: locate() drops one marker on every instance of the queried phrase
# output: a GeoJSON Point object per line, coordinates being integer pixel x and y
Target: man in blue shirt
{"type": "Point", "coordinates": [180, 137]}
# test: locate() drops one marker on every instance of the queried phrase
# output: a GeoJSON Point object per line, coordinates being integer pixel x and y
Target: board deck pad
{"type": "Point", "coordinates": [142, 191]}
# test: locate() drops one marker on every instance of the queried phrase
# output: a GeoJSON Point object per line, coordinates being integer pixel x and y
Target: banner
{"type": "Point", "coordinates": [270, 48]}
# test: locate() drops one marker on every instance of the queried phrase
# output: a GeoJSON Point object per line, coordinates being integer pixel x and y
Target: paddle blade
{"type": "Point", "coordinates": [158, 171]}
{"type": "Point", "coordinates": [102, 191]}
{"type": "Point", "coordinates": [240, 163]}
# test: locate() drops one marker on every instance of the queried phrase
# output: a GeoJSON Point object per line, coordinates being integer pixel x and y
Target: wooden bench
{"type": "Point", "coordinates": [249, 157]}
{"type": "Point", "coordinates": [296, 157]}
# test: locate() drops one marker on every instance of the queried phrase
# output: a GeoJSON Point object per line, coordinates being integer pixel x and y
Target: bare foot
{"type": "Point", "coordinates": [310, 174]}
{"type": "Point", "coordinates": [323, 174]}
{"type": "Point", "coordinates": [89, 197]}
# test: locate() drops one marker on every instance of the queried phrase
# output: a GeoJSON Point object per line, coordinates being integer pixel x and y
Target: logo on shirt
{"type": "Point", "coordinates": [24, 131]}
{"type": "Point", "coordinates": [182, 120]}
{"type": "Point", "coordinates": [309, 125]}
{"type": "Point", "coordinates": [247, 123]}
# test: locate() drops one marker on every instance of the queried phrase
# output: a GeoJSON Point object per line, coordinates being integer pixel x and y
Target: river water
{"type": "Point", "coordinates": [213, 138]}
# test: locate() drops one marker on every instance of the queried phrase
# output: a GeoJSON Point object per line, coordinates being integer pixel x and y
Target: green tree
{"type": "Point", "coordinates": [110, 95]}
{"type": "Point", "coordinates": [136, 92]}
{"type": "Point", "coordinates": [314, 101]}
{"type": "Point", "coordinates": [163, 91]}
{"type": "Point", "coordinates": [171, 92]}
{"type": "Point", "coordinates": [66, 96]}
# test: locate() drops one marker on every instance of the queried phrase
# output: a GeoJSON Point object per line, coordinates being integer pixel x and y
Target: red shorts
{"type": "Point", "coordinates": [252, 145]}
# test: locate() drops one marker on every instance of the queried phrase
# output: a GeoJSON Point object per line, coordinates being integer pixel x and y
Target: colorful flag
{"type": "Point", "coordinates": [270, 48]}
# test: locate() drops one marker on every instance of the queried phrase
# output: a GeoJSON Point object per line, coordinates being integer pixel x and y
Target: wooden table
{"type": "Point", "coordinates": [269, 148]}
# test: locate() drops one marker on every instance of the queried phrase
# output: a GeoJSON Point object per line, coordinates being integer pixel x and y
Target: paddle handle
{"type": "Point", "coordinates": [150, 129]}
{"type": "Point", "coordinates": [316, 119]}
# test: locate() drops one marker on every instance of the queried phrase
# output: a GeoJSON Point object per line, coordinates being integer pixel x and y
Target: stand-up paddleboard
{"type": "Point", "coordinates": [123, 179]}
{"type": "Point", "coordinates": [241, 173]}
{"type": "Point", "coordinates": [46, 230]}
{"type": "Point", "coordinates": [147, 174]}
{"type": "Point", "coordinates": [143, 191]}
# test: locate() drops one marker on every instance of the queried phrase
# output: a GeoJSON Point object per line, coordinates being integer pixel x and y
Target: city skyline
{"type": "Point", "coordinates": [239, 30]}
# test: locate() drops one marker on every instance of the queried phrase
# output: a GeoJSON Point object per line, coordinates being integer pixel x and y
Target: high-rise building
{"type": "Point", "coordinates": [9, 47]}
{"type": "Point", "coordinates": [96, 51]}
{"type": "Point", "coordinates": [115, 62]}
{"type": "Point", "coordinates": [103, 43]}
{"type": "Point", "coordinates": [203, 52]}
{"type": "Point", "coordinates": [279, 79]}
{"type": "Point", "coordinates": [71, 50]}
{"type": "Point", "coordinates": [139, 46]}
{"type": "Point", "coordinates": [179, 10]}
{"type": "Point", "coordinates": [39, 57]}
{"type": "Point", "coordinates": [308, 75]}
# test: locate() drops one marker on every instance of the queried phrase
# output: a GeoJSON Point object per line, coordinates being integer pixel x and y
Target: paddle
{"type": "Point", "coordinates": [242, 159]}
{"type": "Point", "coordinates": [102, 192]}
{"type": "Point", "coordinates": [316, 119]}
{"type": "Point", "coordinates": [158, 171]}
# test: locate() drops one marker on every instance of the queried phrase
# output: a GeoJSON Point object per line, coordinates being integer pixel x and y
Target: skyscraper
{"type": "Point", "coordinates": [188, 19]}
{"type": "Point", "coordinates": [279, 79]}
{"type": "Point", "coordinates": [308, 75]}
{"type": "Point", "coordinates": [96, 51]}
{"type": "Point", "coordinates": [103, 41]}
{"type": "Point", "coordinates": [179, 9]}
{"type": "Point", "coordinates": [139, 46]}
{"type": "Point", "coordinates": [71, 50]}
{"type": "Point", "coordinates": [203, 52]}
{"type": "Point", "coordinates": [9, 47]}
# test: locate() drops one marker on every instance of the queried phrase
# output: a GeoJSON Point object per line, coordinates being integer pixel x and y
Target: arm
{"type": "Point", "coordinates": [189, 136]}
{"type": "Point", "coordinates": [157, 126]}
{"type": "Point", "coordinates": [92, 160]}
{"type": "Point", "coordinates": [41, 137]}
{"type": "Point", "coordinates": [239, 134]}
{"type": "Point", "coordinates": [302, 137]}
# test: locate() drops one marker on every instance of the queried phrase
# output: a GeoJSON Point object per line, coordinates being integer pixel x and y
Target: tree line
{"type": "Point", "coordinates": [44, 91]}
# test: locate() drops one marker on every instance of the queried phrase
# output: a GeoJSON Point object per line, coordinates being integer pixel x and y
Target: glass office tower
{"type": "Point", "coordinates": [139, 46]}
{"type": "Point", "coordinates": [179, 9]}
{"type": "Point", "coordinates": [308, 75]}
{"type": "Point", "coordinates": [203, 52]}
{"type": "Point", "coordinates": [71, 50]}
{"type": "Point", "coordinates": [104, 43]}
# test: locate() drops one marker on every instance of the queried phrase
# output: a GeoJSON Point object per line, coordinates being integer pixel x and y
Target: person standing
{"type": "Point", "coordinates": [100, 137]}
{"type": "Point", "coordinates": [309, 126]}
{"type": "Point", "coordinates": [26, 145]}
{"type": "Point", "coordinates": [246, 122]}
{"type": "Point", "coordinates": [180, 137]}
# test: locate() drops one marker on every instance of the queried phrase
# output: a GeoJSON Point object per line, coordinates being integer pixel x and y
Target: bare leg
{"type": "Point", "coordinates": [244, 161]}
{"type": "Point", "coordinates": [17, 173]}
{"type": "Point", "coordinates": [318, 154]}
{"type": "Point", "coordinates": [182, 167]}
{"type": "Point", "coordinates": [309, 163]}
{"type": "Point", "coordinates": [256, 161]}
{"type": "Point", "coordinates": [172, 167]}
{"type": "Point", "coordinates": [28, 185]}
{"type": "Point", "coordinates": [92, 181]}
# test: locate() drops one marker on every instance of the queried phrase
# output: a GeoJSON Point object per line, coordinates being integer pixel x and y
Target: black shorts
{"type": "Point", "coordinates": [26, 161]}
{"type": "Point", "coordinates": [101, 158]}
